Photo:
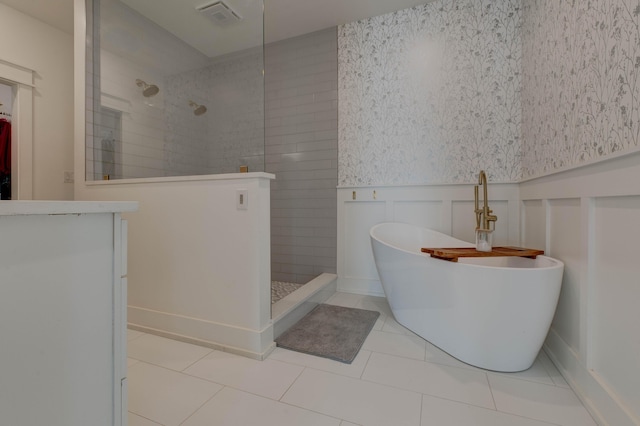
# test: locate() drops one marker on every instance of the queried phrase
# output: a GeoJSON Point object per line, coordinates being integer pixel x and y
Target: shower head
{"type": "Point", "coordinates": [148, 90]}
{"type": "Point", "coordinates": [197, 109]}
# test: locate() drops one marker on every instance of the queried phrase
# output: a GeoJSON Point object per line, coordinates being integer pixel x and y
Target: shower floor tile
{"type": "Point", "coordinates": [280, 289]}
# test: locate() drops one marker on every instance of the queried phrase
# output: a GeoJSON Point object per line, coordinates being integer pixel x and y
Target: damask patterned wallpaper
{"type": "Point", "coordinates": [434, 93]}
{"type": "Point", "coordinates": [431, 94]}
{"type": "Point", "coordinates": [581, 82]}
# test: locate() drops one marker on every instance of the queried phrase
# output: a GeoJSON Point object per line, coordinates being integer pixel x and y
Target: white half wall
{"type": "Point", "coordinates": [444, 208]}
{"type": "Point", "coordinates": [199, 265]}
{"type": "Point", "coordinates": [588, 218]}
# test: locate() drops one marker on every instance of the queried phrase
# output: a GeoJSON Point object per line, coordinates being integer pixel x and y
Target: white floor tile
{"type": "Point", "coordinates": [348, 300]}
{"type": "Point", "coordinates": [354, 400]}
{"type": "Point", "coordinates": [268, 378]}
{"type": "Point", "coordinates": [133, 334]}
{"type": "Point", "coordinates": [557, 378]}
{"type": "Point", "coordinates": [440, 412]}
{"type": "Point", "coordinates": [354, 369]}
{"type": "Point", "coordinates": [436, 355]}
{"type": "Point", "coordinates": [536, 373]}
{"type": "Point", "coordinates": [458, 384]}
{"type": "Point", "coordinates": [393, 326]}
{"type": "Point", "coordinates": [397, 385]}
{"type": "Point", "coordinates": [166, 396]}
{"type": "Point", "coordinates": [165, 352]}
{"type": "Point", "coordinates": [432, 352]}
{"type": "Point", "coordinates": [395, 344]}
{"type": "Point", "coordinates": [538, 401]}
{"type": "Point", "coordinates": [135, 420]}
{"type": "Point", "coordinates": [231, 407]}
{"type": "Point", "coordinates": [374, 303]}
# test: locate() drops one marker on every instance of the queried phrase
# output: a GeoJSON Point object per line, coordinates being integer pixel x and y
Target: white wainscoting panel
{"type": "Point", "coordinates": [429, 213]}
{"type": "Point", "coordinates": [616, 293]}
{"type": "Point", "coordinates": [588, 218]}
{"type": "Point", "coordinates": [564, 238]}
{"type": "Point", "coordinates": [534, 224]}
{"type": "Point", "coordinates": [360, 267]}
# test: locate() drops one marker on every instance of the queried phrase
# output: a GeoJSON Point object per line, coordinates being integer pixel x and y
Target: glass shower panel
{"type": "Point", "coordinates": [179, 85]}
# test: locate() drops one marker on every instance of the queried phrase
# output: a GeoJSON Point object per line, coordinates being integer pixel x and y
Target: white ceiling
{"type": "Point", "coordinates": [58, 13]}
{"type": "Point", "coordinates": [290, 18]}
{"type": "Point", "coordinates": [282, 18]}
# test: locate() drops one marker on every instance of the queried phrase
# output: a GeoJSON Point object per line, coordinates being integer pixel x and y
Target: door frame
{"type": "Point", "coordinates": [20, 79]}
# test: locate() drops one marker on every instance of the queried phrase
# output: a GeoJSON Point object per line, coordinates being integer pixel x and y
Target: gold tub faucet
{"type": "Point", "coordinates": [483, 215]}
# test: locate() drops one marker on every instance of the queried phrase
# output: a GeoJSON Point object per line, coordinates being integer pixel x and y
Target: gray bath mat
{"type": "Point", "coordinates": [331, 332]}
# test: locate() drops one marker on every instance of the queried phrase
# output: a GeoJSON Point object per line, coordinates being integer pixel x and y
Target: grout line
{"type": "Point", "coordinates": [313, 411]}
{"type": "Point", "coordinates": [203, 404]}
{"type": "Point", "coordinates": [146, 418]}
{"type": "Point", "coordinates": [366, 363]}
{"type": "Point", "coordinates": [199, 359]}
{"type": "Point", "coordinates": [292, 382]}
{"type": "Point", "coordinates": [493, 398]}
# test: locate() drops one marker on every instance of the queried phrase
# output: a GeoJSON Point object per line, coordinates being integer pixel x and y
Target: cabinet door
{"type": "Point", "coordinates": [57, 320]}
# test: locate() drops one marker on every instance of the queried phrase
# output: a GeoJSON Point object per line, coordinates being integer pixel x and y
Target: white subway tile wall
{"type": "Point", "coordinates": [301, 149]}
{"type": "Point", "coordinates": [161, 135]}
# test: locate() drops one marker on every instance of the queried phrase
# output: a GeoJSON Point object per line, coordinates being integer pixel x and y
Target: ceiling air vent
{"type": "Point", "coordinates": [219, 13]}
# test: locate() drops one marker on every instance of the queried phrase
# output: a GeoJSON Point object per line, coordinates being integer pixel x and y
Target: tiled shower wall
{"type": "Point", "coordinates": [301, 82]}
{"type": "Point", "coordinates": [161, 136]}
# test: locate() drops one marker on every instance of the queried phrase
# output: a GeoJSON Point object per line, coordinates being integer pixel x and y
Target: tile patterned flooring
{"type": "Point", "coordinates": [397, 379]}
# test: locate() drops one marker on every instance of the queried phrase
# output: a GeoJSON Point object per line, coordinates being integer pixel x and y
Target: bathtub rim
{"type": "Point", "coordinates": [470, 262]}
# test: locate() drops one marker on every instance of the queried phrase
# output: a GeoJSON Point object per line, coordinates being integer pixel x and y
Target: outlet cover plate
{"type": "Point", "coordinates": [242, 199]}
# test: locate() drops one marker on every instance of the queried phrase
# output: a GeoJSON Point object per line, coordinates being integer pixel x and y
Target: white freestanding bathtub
{"type": "Point", "coordinates": [490, 312]}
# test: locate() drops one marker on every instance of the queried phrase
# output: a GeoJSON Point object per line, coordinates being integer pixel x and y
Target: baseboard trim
{"type": "Point", "coordinates": [364, 286]}
{"type": "Point", "coordinates": [603, 404]}
{"type": "Point", "coordinates": [255, 344]}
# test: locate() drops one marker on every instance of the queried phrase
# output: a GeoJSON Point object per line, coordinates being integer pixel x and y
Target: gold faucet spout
{"type": "Point", "coordinates": [484, 215]}
{"type": "Point", "coordinates": [477, 209]}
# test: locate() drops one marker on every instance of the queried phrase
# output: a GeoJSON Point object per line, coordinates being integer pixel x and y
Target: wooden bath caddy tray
{"type": "Point", "coordinates": [452, 254]}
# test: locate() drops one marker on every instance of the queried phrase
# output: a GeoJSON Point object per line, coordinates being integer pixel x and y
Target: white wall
{"type": "Point", "coordinates": [48, 51]}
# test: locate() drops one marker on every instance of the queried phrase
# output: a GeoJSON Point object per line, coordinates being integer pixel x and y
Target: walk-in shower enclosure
{"type": "Point", "coordinates": [168, 106]}
{"type": "Point", "coordinates": [172, 90]}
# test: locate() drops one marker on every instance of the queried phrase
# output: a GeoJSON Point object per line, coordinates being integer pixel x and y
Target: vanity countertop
{"type": "Point", "coordinates": [17, 208]}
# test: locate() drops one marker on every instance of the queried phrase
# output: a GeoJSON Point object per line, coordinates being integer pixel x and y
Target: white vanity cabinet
{"type": "Point", "coordinates": [63, 313]}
